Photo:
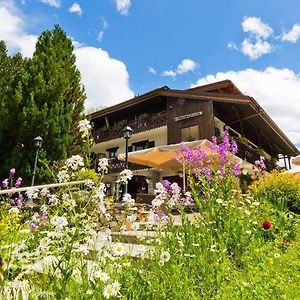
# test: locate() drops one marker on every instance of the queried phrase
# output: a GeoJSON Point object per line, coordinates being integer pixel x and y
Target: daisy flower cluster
{"type": "Point", "coordinates": [84, 127]}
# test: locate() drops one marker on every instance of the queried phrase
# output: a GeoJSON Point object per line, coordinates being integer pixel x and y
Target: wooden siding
{"type": "Point", "coordinates": [179, 107]}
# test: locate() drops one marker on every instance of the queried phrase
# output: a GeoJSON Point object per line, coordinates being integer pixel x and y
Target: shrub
{"type": "Point", "coordinates": [85, 174]}
{"type": "Point", "coordinates": [281, 189]}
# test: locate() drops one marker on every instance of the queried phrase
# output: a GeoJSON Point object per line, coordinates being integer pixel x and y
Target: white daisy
{"type": "Point", "coordinates": [119, 249]}
{"type": "Point", "coordinates": [164, 257]}
{"type": "Point", "coordinates": [102, 276]}
{"type": "Point", "coordinates": [116, 286]}
{"type": "Point", "coordinates": [108, 291]}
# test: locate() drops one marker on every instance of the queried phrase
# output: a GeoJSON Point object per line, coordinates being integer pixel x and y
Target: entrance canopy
{"type": "Point", "coordinates": [164, 157]}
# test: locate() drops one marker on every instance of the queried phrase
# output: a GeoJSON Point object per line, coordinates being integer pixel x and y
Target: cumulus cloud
{"type": "Point", "coordinates": [168, 73]}
{"type": "Point", "coordinates": [76, 9]}
{"type": "Point", "coordinates": [256, 49]}
{"type": "Point", "coordinates": [277, 90]}
{"type": "Point", "coordinates": [106, 79]}
{"type": "Point", "coordinates": [185, 66]}
{"type": "Point", "coordinates": [255, 45]}
{"type": "Point", "coordinates": [256, 27]}
{"type": "Point", "coordinates": [293, 35]}
{"type": "Point", "coordinates": [123, 6]}
{"type": "Point", "coordinates": [54, 3]}
{"type": "Point", "coordinates": [13, 30]}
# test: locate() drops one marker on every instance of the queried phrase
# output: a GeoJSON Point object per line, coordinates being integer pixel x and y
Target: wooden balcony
{"type": "Point", "coordinates": [249, 154]}
{"type": "Point", "coordinates": [116, 166]}
{"type": "Point", "coordinates": [154, 121]}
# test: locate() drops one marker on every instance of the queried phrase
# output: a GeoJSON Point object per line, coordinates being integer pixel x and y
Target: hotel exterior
{"type": "Point", "coordinates": [165, 116]}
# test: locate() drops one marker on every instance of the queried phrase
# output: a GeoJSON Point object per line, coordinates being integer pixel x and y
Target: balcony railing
{"type": "Point", "coordinates": [154, 121]}
{"type": "Point", "coordinates": [249, 154]}
{"type": "Point", "coordinates": [116, 166]}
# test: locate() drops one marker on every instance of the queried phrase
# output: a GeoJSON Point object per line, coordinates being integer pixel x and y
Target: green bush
{"type": "Point", "coordinates": [281, 189]}
{"type": "Point", "coordinates": [86, 174]}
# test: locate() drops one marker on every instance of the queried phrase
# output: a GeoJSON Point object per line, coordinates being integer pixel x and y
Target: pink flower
{"type": "Point", "coordinates": [33, 227]}
{"type": "Point", "coordinates": [5, 183]}
{"type": "Point", "coordinates": [12, 172]}
{"type": "Point", "coordinates": [18, 182]}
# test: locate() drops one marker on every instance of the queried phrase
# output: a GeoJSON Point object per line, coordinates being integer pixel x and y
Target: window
{"type": "Point", "coordinates": [190, 134]}
{"type": "Point", "coordinates": [112, 152]}
{"type": "Point", "coordinates": [142, 145]}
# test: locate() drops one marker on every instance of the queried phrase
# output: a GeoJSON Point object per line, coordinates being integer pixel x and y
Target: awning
{"type": "Point", "coordinates": [164, 157]}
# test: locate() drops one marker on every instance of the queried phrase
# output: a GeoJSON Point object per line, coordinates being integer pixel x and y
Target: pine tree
{"type": "Point", "coordinates": [47, 100]}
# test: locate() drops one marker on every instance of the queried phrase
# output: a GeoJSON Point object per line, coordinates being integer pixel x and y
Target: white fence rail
{"type": "Point", "coordinates": [39, 187]}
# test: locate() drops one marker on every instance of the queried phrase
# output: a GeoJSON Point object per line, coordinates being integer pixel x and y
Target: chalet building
{"type": "Point", "coordinates": [166, 116]}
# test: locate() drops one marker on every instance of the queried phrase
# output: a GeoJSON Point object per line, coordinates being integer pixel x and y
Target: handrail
{"type": "Point", "coordinates": [38, 187]}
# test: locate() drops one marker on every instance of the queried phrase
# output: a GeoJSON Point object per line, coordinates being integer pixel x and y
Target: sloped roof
{"type": "Point", "coordinates": [223, 91]}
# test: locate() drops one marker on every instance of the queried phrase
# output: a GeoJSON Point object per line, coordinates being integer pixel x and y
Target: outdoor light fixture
{"type": "Point", "coordinates": [127, 133]}
{"type": "Point", "coordinates": [38, 142]}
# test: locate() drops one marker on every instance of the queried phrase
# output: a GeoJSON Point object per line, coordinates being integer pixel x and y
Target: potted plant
{"type": "Point", "coordinates": [143, 116]}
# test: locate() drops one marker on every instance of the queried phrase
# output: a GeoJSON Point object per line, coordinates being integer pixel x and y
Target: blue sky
{"type": "Point", "coordinates": [128, 47]}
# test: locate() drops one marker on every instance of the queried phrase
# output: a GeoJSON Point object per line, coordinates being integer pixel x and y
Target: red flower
{"type": "Point", "coordinates": [285, 243]}
{"type": "Point", "coordinates": [266, 224]}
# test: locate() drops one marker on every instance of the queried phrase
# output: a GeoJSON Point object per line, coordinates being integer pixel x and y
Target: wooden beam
{"type": "Point", "coordinates": [107, 121]}
{"type": "Point", "coordinates": [239, 119]}
{"type": "Point", "coordinates": [243, 119]}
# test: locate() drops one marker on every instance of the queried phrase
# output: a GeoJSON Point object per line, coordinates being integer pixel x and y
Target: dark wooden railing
{"type": "Point", "coordinates": [154, 121]}
{"type": "Point", "coordinates": [251, 155]}
{"type": "Point", "coordinates": [116, 166]}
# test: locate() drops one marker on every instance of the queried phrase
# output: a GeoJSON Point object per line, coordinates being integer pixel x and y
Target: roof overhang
{"type": "Point", "coordinates": [245, 103]}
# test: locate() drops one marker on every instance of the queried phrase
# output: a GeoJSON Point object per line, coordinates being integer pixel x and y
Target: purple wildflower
{"type": "Point", "coordinates": [234, 147]}
{"type": "Point", "coordinates": [18, 182]}
{"type": "Point", "coordinates": [167, 185]}
{"type": "Point", "coordinates": [12, 172]}
{"type": "Point", "coordinates": [207, 173]}
{"type": "Point", "coordinates": [260, 164]}
{"type": "Point", "coordinates": [236, 170]}
{"type": "Point", "coordinates": [20, 201]}
{"type": "Point", "coordinates": [33, 227]}
{"type": "Point", "coordinates": [45, 218]}
{"type": "Point", "coordinates": [5, 183]}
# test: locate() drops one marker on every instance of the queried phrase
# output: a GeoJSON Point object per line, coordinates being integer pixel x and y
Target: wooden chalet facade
{"type": "Point", "coordinates": [165, 116]}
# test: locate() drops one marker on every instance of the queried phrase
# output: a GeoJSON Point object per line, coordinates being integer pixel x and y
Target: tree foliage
{"type": "Point", "coordinates": [40, 96]}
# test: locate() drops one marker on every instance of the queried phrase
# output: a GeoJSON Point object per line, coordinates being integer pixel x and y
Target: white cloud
{"type": "Point", "coordinates": [168, 73]}
{"type": "Point", "coordinates": [76, 9]}
{"type": "Point", "coordinates": [151, 70]}
{"type": "Point", "coordinates": [256, 27]}
{"type": "Point", "coordinates": [106, 79]}
{"type": "Point", "coordinates": [13, 31]}
{"type": "Point", "coordinates": [54, 3]}
{"type": "Point", "coordinates": [185, 66]}
{"type": "Point", "coordinates": [100, 36]}
{"type": "Point", "coordinates": [293, 35]}
{"type": "Point", "coordinates": [105, 25]}
{"type": "Point", "coordinates": [123, 6]}
{"type": "Point", "coordinates": [277, 90]}
{"type": "Point", "coordinates": [255, 50]}
{"type": "Point", "coordinates": [255, 45]}
{"type": "Point", "coordinates": [232, 45]}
